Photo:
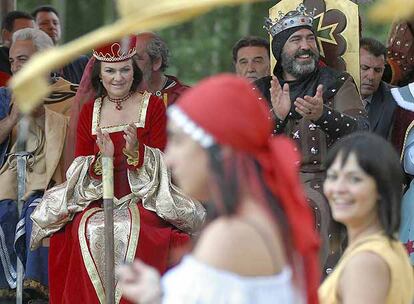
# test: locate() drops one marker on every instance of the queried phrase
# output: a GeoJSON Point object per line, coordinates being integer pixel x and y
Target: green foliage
{"type": "Point", "coordinates": [203, 46]}
{"type": "Point", "coordinates": [373, 30]}
{"type": "Point", "coordinates": [30, 5]}
{"type": "Point", "coordinates": [83, 17]}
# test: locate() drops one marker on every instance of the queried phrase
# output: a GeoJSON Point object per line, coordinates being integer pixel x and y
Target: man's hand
{"type": "Point", "coordinates": [310, 107]}
{"type": "Point", "coordinates": [14, 115]}
{"type": "Point", "coordinates": [9, 122]}
{"type": "Point", "coordinates": [280, 98]}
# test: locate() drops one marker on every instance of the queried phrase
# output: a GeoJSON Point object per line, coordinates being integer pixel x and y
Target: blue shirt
{"type": "Point", "coordinates": [5, 98]}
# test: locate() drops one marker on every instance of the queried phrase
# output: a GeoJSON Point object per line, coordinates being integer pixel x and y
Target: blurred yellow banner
{"type": "Point", "coordinates": [391, 10]}
{"type": "Point", "coordinates": [30, 84]}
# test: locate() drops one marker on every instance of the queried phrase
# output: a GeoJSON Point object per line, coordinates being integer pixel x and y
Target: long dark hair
{"type": "Point", "coordinates": [96, 78]}
{"type": "Point", "coordinates": [232, 175]}
{"type": "Point", "coordinates": [378, 159]}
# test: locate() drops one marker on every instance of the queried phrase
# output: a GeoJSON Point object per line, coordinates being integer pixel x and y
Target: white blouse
{"type": "Point", "coordinates": [193, 282]}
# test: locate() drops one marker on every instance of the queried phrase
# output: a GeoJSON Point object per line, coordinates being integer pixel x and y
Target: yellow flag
{"type": "Point", "coordinates": [30, 84]}
{"type": "Point", "coordinates": [391, 10]}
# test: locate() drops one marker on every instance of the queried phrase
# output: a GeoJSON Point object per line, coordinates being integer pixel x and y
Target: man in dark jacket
{"type": "Point", "coordinates": [376, 94]}
{"type": "Point", "coordinates": [47, 19]}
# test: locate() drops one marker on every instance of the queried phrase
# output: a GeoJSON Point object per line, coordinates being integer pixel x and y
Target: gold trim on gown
{"type": "Point", "coordinates": [151, 184]}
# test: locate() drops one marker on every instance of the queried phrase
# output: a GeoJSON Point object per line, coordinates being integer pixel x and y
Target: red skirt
{"type": "Point", "coordinates": [77, 251]}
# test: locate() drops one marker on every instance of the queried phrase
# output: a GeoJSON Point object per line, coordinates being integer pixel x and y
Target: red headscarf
{"type": "Point", "coordinates": [227, 107]}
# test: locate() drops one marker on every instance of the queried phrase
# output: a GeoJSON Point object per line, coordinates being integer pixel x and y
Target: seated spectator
{"type": "Point", "coordinates": [376, 94]}
{"type": "Point", "coordinates": [251, 57]}
{"type": "Point", "coordinates": [153, 58]}
{"type": "Point", "coordinates": [12, 22]}
{"type": "Point", "coordinates": [152, 218]}
{"type": "Point", "coordinates": [45, 143]}
{"type": "Point", "coordinates": [47, 19]}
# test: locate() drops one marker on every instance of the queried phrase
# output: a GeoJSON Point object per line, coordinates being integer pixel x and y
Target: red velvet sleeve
{"type": "Point", "coordinates": [180, 245]}
{"type": "Point", "coordinates": [84, 140]}
{"type": "Point", "coordinates": [4, 77]}
{"type": "Point", "coordinates": [156, 121]}
{"type": "Point", "coordinates": [158, 124]}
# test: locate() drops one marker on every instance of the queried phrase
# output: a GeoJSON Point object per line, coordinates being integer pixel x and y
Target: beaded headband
{"type": "Point", "coordinates": [189, 127]}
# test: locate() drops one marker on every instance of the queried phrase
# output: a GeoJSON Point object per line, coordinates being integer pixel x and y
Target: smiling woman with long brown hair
{"type": "Point", "coordinates": [364, 189]}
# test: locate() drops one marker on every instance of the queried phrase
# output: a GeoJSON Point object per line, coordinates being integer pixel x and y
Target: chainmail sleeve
{"type": "Point", "coordinates": [343, 113]}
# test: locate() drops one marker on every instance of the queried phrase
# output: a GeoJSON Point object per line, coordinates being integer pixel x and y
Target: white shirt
{"type": "Point", "coordinates": [193, 282]}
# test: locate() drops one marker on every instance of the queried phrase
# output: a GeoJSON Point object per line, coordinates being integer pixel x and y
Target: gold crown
{"type": "Point", "coordinates": [117, 50]}
{"type": "Point", "coordinates": [295, 18]}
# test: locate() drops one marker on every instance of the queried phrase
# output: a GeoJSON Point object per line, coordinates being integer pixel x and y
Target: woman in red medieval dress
{"type": "Point", "coordinates": [151, 217]}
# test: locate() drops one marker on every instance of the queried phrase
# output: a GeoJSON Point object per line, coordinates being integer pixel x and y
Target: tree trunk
{"type": "Point", "coordinates": [6, 7]}
{"type": "Point", "coordinates": [245, 19]}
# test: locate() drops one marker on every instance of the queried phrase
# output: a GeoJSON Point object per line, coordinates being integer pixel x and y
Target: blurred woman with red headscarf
{"type": "Point", "coordinates": [261, 247]}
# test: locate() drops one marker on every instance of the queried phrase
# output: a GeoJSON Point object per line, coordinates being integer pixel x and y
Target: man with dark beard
{"type": "Point", "coordinates": [314, 105]}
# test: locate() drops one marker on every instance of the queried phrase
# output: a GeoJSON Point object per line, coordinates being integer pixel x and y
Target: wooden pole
{"type": "Point", "coordinates": [6, 6]}
{"type": "Point", "coordinates": [21, 158]}
{"type": "Point", "coordinates": [108, 195]}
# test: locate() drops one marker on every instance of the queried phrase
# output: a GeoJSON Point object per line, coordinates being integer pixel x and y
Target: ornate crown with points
{"type": "Point", "coordinates": [116, 51]}
{"type": "Point", "coordinates": [298, 17]}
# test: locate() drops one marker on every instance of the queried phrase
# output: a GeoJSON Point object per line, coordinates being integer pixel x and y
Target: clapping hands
{"type": "Point", "coordinates": [310, 107]}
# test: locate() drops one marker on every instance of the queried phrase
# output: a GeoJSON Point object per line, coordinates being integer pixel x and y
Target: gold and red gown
{"type": "Point", "coordinates": [76, 258]}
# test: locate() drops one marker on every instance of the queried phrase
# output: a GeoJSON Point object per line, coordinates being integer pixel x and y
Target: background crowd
{"type": "Point", "coordinates": [207, 38]}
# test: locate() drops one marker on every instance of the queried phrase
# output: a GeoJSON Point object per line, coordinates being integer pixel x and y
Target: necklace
{"type": "Point", "coordinates": [119, 101]}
